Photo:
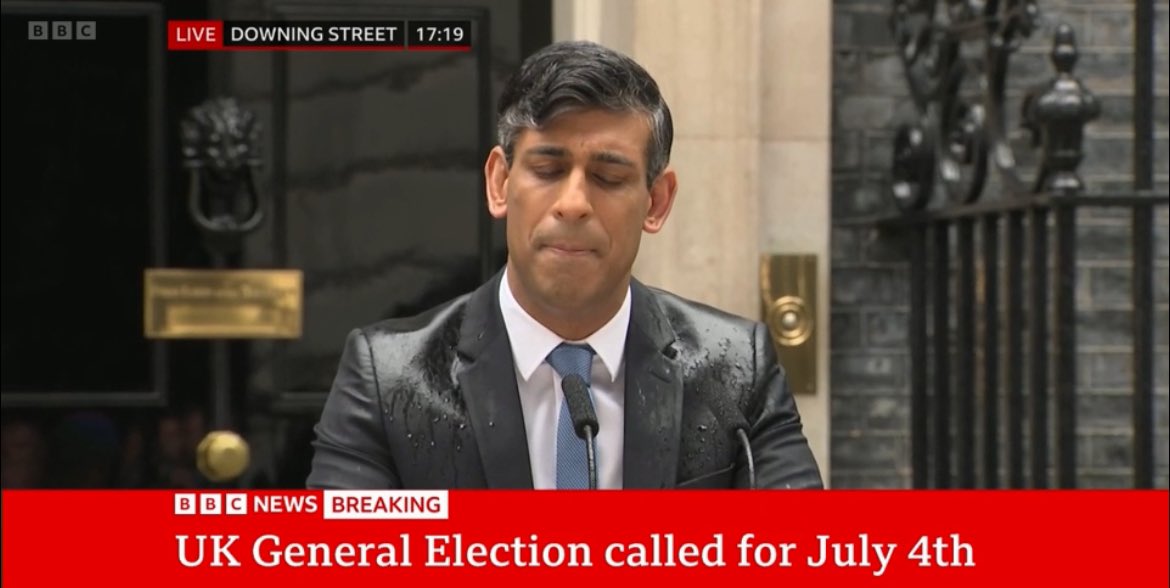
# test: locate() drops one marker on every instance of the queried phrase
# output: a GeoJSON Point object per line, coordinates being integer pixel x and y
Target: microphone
{"type": "Point", "coordinates": [731, 417]}
{"type": "Point", "coordinates": [584, 419]}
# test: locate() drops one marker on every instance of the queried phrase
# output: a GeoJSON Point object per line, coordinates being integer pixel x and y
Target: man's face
{"type": "Point", "coordinates": [576, 203]}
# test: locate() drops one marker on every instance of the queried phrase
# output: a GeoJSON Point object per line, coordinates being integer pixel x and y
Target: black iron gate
{"type": "Point", "coordinates": [1007, 244]}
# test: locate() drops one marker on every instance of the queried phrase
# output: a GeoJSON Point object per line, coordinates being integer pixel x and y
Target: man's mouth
{"type": "Point", "coordinates": [568, 249]}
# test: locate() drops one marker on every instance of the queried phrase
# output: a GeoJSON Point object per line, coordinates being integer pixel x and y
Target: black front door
{"type": "Point", "coordinates": [372, 187]}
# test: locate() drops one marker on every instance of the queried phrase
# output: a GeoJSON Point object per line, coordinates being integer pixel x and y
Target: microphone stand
{"type": "Point", "coordinates": [751, 463]}
{"type": "Point", "coordinates": [591, 457]}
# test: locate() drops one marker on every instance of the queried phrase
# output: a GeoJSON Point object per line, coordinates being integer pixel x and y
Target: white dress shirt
{"type": "Point", "coordinates": [541, 396]}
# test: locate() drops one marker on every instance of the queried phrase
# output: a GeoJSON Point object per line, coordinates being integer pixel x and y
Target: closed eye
{"type": "Point", "coordinates": [608, 181]}
{"type": "Point", "coordinates": [546, 173]}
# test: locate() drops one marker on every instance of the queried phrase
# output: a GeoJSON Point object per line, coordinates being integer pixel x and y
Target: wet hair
{"type": "Point", "coordinates": [576, 75]}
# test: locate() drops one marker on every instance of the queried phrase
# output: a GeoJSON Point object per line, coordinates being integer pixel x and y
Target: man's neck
{"type": "Point", "coordinates": [569, 324]}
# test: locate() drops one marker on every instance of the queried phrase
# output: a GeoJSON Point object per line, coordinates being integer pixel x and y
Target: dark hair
{"type": "Point", "coordinates": [573, 75]}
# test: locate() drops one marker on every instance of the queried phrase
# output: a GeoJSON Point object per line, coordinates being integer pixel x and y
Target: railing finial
{"type": "Point", "coordinates": [1057, 112]}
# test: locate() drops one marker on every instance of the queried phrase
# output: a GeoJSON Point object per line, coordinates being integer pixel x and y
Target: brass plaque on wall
{"type": "Point", "coordinates": [223, 304]}
{"type": "Point", "coordinates": [788, 303]}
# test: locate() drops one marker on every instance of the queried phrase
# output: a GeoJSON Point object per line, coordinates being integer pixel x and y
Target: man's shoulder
{"type": "Point", "coordinates": [709, 340]}
{"type": "Point", "coordinates": [693, 319]}
{"type": "Point", "coordinates": [445, 317]}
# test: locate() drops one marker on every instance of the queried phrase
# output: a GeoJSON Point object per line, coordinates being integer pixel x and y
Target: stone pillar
{"type": "Point", "coordinates": [796, 69]}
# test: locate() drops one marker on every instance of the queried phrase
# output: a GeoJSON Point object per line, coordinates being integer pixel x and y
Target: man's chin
{"type": "Point", "coordinates": [568, 294]}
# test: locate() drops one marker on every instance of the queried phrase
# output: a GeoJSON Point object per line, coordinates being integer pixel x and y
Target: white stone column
{"type": "Point", "coordinates": [796, 66]}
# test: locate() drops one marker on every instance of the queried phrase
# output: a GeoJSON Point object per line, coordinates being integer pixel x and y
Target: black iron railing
{"type": "Point", "coordinates": [960, 355]}
{"type": "Point", "coordinates": [1011, 258]}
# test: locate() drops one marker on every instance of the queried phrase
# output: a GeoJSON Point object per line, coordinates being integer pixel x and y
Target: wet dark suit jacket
{"type": "Point", "coordinates": [431, 402]}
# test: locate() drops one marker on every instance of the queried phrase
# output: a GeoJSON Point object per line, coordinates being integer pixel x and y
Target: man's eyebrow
{"type": "Point", "coordinates": [612, 157]}
{"type": "Point", "coordinates": [600, 156]}
{"type": "Point", "coordinates": [548, 150]}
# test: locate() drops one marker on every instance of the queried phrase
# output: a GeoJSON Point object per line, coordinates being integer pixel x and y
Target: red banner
{"type": "Point", "coordinates": [833, 538]}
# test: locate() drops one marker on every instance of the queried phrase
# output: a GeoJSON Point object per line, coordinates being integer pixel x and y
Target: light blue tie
{"type": "Point", "coordinates": [572, 468]}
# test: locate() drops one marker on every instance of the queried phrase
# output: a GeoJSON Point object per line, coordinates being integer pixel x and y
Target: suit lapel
{"type": "Point", "coordinates": [488, 384]}
{"type": "Point", "coordinates": [653, 405]}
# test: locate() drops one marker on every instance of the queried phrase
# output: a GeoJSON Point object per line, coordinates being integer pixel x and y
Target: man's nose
{"type": "Point", "coordinates": [573, 200]}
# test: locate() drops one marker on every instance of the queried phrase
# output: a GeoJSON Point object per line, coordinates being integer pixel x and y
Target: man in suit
{"type": "Point", "coordinates": [469, 394]}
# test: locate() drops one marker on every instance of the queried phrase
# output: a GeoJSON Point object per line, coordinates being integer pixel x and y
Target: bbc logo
{"type": "Point", "coordinates": [62, 30]}
{"type": "Point", "coordinates": [208, 503]}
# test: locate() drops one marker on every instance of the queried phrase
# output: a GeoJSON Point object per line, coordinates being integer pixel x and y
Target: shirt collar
{"type": "Point", "coordinates": [532, 342]}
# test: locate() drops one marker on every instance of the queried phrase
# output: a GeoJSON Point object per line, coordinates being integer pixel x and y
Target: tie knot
{"type": "Point", "coordinates": [568, 359]}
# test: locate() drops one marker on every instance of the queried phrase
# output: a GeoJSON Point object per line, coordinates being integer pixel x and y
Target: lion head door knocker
{"type": "Point", "coordinates": [221, 151]}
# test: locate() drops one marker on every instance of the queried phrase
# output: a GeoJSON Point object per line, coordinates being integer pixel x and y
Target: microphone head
{"type": "Point", "coordinates": [580, 405]}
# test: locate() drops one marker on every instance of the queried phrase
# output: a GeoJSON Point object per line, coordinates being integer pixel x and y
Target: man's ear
{"type": "Point", "coordinates": [495, 173]}
{"type": "Point", "coordinates": [662, 194]}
